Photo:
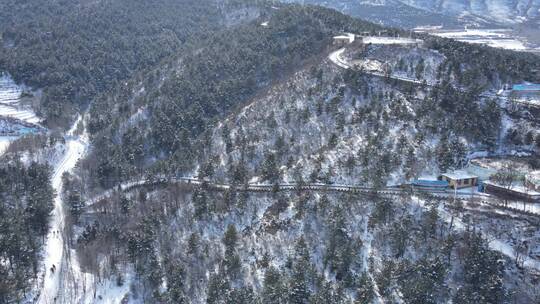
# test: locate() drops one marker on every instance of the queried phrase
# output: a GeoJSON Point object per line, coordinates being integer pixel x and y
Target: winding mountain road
{"type": "Point", "coordinates": [394, 191]}
{"type": "Point", "coordinates": [337, 58]}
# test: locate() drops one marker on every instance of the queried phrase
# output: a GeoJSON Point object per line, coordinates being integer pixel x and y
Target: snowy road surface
{"type": "Point", "coordinates": [54, 248]}
{"type": "Point", "coordinates": [337, 58]}
{"type": "Point", "coordinates": [69, 283]}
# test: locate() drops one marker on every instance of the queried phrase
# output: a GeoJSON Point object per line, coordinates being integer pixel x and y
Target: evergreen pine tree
{"type": "Point", "coordinates": [273, 289]}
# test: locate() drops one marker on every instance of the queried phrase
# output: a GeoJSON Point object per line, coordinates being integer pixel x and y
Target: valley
{"type": "Point", "coordinates": [60, 275]}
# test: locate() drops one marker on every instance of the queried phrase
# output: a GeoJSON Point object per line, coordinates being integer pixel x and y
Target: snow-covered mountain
{"type": "Point", "coordinates": [502, 11]}
{"type": "Point", "coordinates": [262, 159]}
{"type": "Point", "coordinates": [387, 12]}
{"type": "Point", "coordinates": [410, 13]}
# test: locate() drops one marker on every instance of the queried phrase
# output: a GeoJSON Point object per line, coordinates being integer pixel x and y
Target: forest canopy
{"type": "Point", "coordinates": [75, 50]}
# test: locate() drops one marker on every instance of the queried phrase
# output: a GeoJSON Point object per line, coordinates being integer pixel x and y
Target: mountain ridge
{"type": "Point", "coordinates": [449, 13]}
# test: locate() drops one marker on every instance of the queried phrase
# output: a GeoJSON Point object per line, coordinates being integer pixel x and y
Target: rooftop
{"type": "Point", "coordinates": [459, 175]}
{"type": "Point", "coordinates": [347, 36]}
{"type": "Point", "coordinates": [528, 87]}
{"type": "Point", "coordinates": [430, 183]}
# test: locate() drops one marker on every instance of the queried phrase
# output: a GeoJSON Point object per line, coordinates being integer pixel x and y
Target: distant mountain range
{"type": "Point", "coordinates": [449, 13]}
{"type": "Point", "coordinates": [501, 11]}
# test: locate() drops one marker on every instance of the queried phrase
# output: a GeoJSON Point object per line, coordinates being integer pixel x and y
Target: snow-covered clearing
{"type": "Point", "coordinates": [371, 65]}
{"type": "Point", "coordinates": [494, 243]}
{"type": "Point", "coordinates": [4, 142]}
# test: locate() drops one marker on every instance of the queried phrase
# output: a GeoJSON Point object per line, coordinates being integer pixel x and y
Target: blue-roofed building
{"type": "Point", "coordinates": [526, 90]}
{"type": "Point", "coordinates": [430, 184]}
{"type": "Point", "coordinates": [527, 87]}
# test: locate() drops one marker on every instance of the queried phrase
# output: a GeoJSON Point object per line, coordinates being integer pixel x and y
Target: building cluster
{"type": "Point", "coordinates": [526, 188]}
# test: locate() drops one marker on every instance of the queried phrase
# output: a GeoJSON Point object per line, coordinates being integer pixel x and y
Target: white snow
{"type": "Point", "coordinates": [524, 206]}
{"type": "Point", "coordinates": [347, 36]}
{"type": "Point", "coordinates": [494, 243]}
{"type": "Point", "coordinates": [518, 187]}
{"type": "Point", "coordinates": [54, 249]}
{"type": "Point", "coordinates": [9, 91]}
{"type": "Point", "coordinates": [10, 94]}
{"type": "Point", "coordinates": [372, 67]}
{"type": "Point", "coordinates": [335, 57]}
{"type": "Point", "coordinates": [4, 142]}
{"type": "Point", "coordinates": [390, 40]}
{"type": "Point", "coordinates": [533, 177]}
{"type": "Point", "coordinates": [499, 38]}
{"type": "Point", "coordinates": [459, 174]}
{"type": "Point", "coordinates": [22, 113]}
{"type": "Point", "coordinates": [110, 292]}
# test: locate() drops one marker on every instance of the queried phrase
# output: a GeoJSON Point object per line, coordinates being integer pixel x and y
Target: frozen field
{"type": "Point", "coordinates": [499, 38]}
{"type": "Point", "coordinates": [18, 112]}
{"type": "Point", "coordinates": [9, 91]}
{"type": "Point", "coordinates": [390, 40]}
{"type": "Point", "coordinates": [10, 95]}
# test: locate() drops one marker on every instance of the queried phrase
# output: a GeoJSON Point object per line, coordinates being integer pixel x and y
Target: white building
{"type": "Point", "coordinates": [459, 179]}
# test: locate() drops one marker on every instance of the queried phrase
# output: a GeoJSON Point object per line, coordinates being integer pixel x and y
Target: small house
{"type": "Point", "coordinates": [345, 39]}
{"type": "Point", "coordinates": [459, 179]}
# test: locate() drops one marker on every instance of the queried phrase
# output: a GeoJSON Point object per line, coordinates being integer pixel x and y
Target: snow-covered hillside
{"type": "Point", "coordinates": [207, 246]}
{"type": "Point", "coordinates": [387, 12]}
{"type": "Point", "coordinates": [345, 122]}
{"type": "Point", "coordinates": [230, 172]}
{"type": "Point", "coordinates": [449, 13]}
{"type": "Point", "coordinates": [502, 11]}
